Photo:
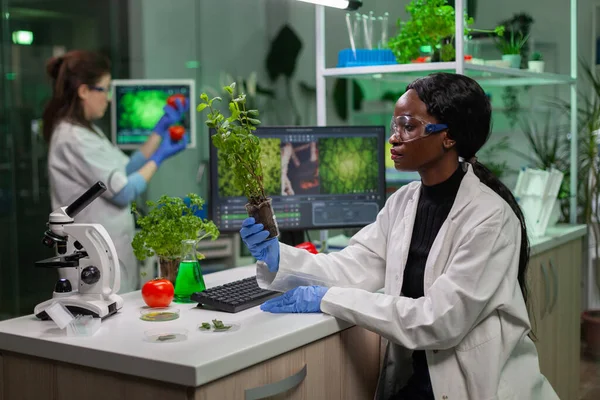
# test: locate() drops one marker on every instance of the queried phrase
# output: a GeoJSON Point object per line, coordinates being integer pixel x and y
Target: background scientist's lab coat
{"type": "Point", "coordinates": [78, 158]}
{"type": "Point", "coordinates": [472, 321]}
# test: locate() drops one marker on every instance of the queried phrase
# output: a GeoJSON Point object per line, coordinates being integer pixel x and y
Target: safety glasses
{"type": "Point", "coordinates": [108, 91]}
{"type": "Point", "coordinates": [409, 128]}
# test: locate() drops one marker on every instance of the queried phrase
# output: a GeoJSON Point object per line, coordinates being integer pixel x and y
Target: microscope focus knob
{"type": "Point", "coordinates": [63, 286]}
{"type": "Point", "coordinates": [90, 275]}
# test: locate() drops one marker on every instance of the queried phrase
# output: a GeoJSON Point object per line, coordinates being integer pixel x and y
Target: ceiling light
{"type": "Point", "coordinates": [350, 5]}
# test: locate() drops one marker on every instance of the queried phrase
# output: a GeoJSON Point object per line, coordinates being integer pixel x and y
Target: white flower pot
{"type": "Point", "coordinates": [536, 66]}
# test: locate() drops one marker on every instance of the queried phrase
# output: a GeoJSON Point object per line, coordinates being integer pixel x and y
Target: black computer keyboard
{"type": "Point", "coordinates": [235, 296]}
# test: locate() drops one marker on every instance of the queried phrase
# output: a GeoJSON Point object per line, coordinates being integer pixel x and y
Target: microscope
{"type": "Point", "coordinates": [94, 258]}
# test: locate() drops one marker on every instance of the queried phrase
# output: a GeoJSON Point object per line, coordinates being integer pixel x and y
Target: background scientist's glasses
{"type": "Point", "coordinates": [108, 91]}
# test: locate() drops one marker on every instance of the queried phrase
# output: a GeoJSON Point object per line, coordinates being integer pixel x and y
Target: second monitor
{"type": "Point", "coordinates": [318, 178]}
{"type": "Point", "coordinates": [137, 105]}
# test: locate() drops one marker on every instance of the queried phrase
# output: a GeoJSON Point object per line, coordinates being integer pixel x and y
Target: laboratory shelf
{"type": "Point", "coordinates": [485, 74]}
{"type": "Point", "coordinates": [376, 71]}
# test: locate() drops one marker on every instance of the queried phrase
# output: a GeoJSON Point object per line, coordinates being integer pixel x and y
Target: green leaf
{"type": "Point", "coordinates": [204, 97]}
{"type": "Point", "coordinates": [201, 107]}
{"type": "Point", "coordinates": [254, 121]}
{"type": "Point", "coordinates": [228, 89]}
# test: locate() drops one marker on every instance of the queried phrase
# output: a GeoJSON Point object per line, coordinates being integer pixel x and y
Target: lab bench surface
{"type": "Point", "coordinates": [305, 355]}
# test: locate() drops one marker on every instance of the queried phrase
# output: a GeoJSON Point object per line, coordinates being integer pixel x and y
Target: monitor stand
{"type": "Point", "coordinates": [292, 238]}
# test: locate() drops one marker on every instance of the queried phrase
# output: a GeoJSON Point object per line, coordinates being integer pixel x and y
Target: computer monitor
{"type": "Point", "coordinates": [335, 178]}
{"type": "Point", "coordinates": [137, 105]}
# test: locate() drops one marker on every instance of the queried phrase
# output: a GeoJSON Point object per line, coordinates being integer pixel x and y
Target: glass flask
{"type": "Point", "coordinates": [189, 276]}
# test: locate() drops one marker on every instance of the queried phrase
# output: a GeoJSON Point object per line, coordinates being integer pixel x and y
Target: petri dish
{"type": "Point", "coordinates": [167, 335]}
{"type": "Point", "coordinates": [159, 314]}
{"type": "Point", "coordinates": [232, 327]}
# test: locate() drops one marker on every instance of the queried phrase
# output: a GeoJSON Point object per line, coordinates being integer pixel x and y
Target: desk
{"type": "Point", "coordinates": [38, 362]}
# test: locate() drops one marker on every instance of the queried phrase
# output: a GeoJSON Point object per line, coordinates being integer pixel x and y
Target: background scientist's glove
{"type": "Point", "coordinates": [303, 299]}
{"type": "Point", "coordinates": [254, 237]}
{"type": "Point", "coordinates": [171, 117]}
{"type": "Point", "coordinates": [168, 148]}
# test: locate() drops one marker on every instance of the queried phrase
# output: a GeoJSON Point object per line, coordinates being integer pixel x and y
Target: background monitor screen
{"type": "Point", "coordinates": [137, 105]}
{"type": "Point", "coordinates": [318, 178]}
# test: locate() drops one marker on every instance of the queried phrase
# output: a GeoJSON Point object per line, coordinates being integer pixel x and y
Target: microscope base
{"type": "Point", "coordinates": [77, 305]}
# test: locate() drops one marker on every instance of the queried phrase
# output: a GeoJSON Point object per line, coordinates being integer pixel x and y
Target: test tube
{"type": "Point", "coordinates": [356, 29]}
{"type": "Point", "coordinates": [371, 23]}
{"type": "Point", "coordinates": [351, 34]}
{"type": "Point", "coordinates": [365, 19]}
{"type": "Point", "coordinates": [384, 29]}
{"type": "Point", "coordinates": [380, 43]}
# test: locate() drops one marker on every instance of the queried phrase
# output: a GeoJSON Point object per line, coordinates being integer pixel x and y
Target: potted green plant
{"type": "Point", "coordinates": [168, 222]}
{"type": "Point", "coordinates": [241, 149]}
{"type": "Point", "coordinates": [511, 48]}
{"type": "Point", "coordinates": [431, 24]}
{"type": "Point", "coordinates": [536, 64]}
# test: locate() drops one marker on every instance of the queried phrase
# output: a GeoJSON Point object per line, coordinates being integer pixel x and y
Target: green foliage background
{"type": "Point", "coordinates": [348, 164]}
{"type": "Point", "coordinates": [270, 159]}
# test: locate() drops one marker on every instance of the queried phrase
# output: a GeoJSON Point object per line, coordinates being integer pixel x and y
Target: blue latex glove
{"type": "Point", "coordinates": [254, 237]}
{"type": "Point", "coordinates": [303, 299]}
{"type": "Point", "coordinates": [168, 148]}
{"type": "Point", "coordinates": [171, 117]}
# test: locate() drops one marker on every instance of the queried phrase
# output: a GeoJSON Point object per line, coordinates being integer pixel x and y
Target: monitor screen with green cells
{"type": "Point", "coordinates": [137, 105]}
{"type": "Point", "coordinates": [317, 177]}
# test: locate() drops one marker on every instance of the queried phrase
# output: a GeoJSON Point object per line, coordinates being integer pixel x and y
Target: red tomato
{"type": "Point", "coordinates": [158, 292]}
{"type": "Point", "coordinates": [308, 246]}
{"type": "Point", "coordinates": [176, 132]}
{"type": "Point", "coordinates": [171, 100]}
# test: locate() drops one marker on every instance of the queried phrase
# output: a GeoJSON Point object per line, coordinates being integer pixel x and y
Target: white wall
{"type": "Point", "coordinates": [163, 38]}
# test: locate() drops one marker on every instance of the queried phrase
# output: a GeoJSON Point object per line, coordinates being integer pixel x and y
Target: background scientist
{"type": "Point", "coordinates": [80, 154]}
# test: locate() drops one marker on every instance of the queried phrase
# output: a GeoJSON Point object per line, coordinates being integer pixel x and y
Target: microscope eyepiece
{"type": "Point", "coordinates": [85, 199]}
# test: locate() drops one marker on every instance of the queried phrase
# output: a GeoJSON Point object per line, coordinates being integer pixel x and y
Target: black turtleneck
{"type": "Point", "coordinates": [433, 208]}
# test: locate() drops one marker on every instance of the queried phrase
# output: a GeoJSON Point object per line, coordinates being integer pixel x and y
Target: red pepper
{"type": "Point", "coordinates": [308, 246]}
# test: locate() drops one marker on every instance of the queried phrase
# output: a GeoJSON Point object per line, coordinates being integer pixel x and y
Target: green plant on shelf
{"type": "Point", "coordinates": [513, 44]}
{"type": "Point", "coordinates": [431, 24]}
{"type": "Point", "coordinates": [537, 56]}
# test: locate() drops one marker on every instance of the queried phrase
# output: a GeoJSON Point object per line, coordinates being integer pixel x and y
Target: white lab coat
{"type": "Point", "coordinates": [472, 321]}
{"type": "Point", "coordinates": [77, 159]}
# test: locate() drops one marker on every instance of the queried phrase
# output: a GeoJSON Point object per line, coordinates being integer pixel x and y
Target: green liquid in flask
{"type": "Point", "coordinates": [189, 280]}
